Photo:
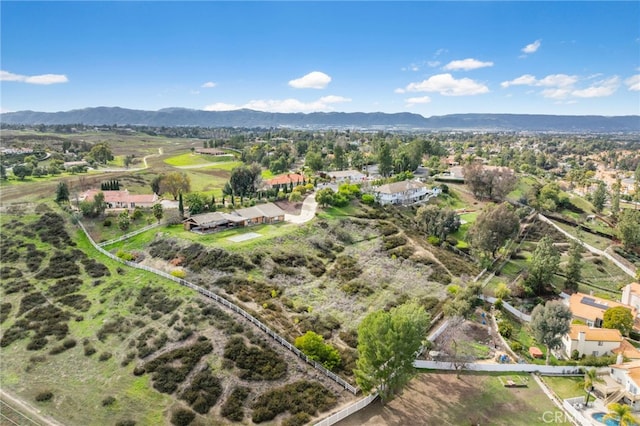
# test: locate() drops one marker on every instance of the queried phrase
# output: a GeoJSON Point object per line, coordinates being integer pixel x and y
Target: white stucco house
{"type": "Point", "coordinates": [622, 383]}
{"type": "Point", "coordinates": [405, 192]}
{"type": "Point", "coordinates": [591, 341]}
{"type": "Point", "coordinates": [342, 176]}
{"type": "Point", "coordinates": [631, 296]}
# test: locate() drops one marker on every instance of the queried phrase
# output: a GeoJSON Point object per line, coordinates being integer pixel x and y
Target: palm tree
{"type": "Point", "coordinates": [621, 413]}
{"type": "Point", "coordinates": [590, 377]}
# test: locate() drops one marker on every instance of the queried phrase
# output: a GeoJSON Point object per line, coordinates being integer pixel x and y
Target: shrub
{"type": "Point", "coordinates": [368, 199]}
{"type": "Point", "coordinates": [182, 417]}
{"type": "Point", "coordinates": [298, 419]}
{"type": "Point", "coordinates": [125, 255]}
{"type": "Point", "coordinates": [313, 346]}
{"type": "Point", "coordinates": [179, 273]}
{"type": "Point", "coordinates": [232, 409]}
{"type": "Point", "coordinates": [505, 329]}
{"type": "Point", "coordinates": [298, 397]}
{"type": "Point", "coordinates": [44, 396]}
{"type": "Point", "coordinates": [105, 356]}
{"type": "Point", "coordinates": [203, 392]}
{"type": "Point", "coordinates": [433, 240]}
{"type": "Point", "coordinates": [108, 401]}
{"type": "Point", "coordinates": [126, 422]}
{"type": "Point", "coordinates": [255, 363]}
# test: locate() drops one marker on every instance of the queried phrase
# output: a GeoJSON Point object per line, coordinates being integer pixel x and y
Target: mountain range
{"type": "Point", "coordinates": [173, 117]}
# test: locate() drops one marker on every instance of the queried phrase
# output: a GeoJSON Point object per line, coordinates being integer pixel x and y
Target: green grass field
{"type": "Point", "coordinates": [190, 159]}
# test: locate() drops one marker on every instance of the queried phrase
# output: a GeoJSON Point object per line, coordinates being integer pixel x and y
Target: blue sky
{"type": "Point", "coordinates": [430, 58]}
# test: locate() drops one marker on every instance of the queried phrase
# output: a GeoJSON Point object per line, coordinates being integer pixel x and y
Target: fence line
{"type": "Point", "coordinates": [233, 307]}
{"type": "Point", "coordinates": [129, 235]}
{"type": "Point", "coordinates": [336, 417]}
{"type": "Point", "coordinates": [518, 314]}
{"type": "Point", "coordinates": [506, 368]}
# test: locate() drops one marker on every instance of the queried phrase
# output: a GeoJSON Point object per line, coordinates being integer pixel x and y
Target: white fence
{"type": "Point", "coordinates": [129, 235]}
{"type": "Point", "coordinates": [336, 417]}
{"type": "Point", "coordinates": [503, 368]}
{"type": "Point", "coordinates": [521, 315]}
{"type": "Point", "coordinates": [234, 308]}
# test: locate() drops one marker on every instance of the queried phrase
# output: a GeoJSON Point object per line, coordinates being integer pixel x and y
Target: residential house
{"type": "Point", "coordinates": [212, 222]}
{"type": "Point", "coordinates": [342, 176]}
{"type": "Point", "coordinates": [212, 151]}
{"type": "Point", "coordinates": [591, 341]}
{"type": "Point", "coordinates": [218, 221]}
{"type": "Point", "coordinates": [631, 295]}
{"type": "Point", "coordinates": [590, 309]}
{"type": "Point", "coordinates": [122, 199]}
{"type": "Point", "coordinates": [261, 213]}
{"type": "Point", "coordinates": [288, 179]}
{"type": "Point", "coordinates": [405, 192]}
{"type": "Point", "coordinates": [622, 383]}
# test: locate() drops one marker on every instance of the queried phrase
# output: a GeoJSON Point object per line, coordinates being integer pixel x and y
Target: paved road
{"type": "Point", "coordinates": [308, 211]}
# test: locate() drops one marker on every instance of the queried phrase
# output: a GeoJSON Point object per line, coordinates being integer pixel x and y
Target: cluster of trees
{"type": "Point", "coordinates": [489, 183]}
{"type": "Point", "coordinates": [174, 183]}
{"type": "Point", "coordinates": [346, 192]}
{"type": "Point", "coordinates": [436, 221]}
{"type": "Point", "coordinates": [112, 185]}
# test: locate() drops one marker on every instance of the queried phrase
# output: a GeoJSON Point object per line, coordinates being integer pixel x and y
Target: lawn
{"type": "Point", "coordinates": [564, 387]}
{"type": "Point", "coordinates": [190, 159]}
{"type": "Point", "coordinates": [593, 240]}
{"type": "Point", "coordinates": [441, 398]}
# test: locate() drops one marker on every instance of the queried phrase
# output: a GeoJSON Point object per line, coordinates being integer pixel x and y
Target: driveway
{"type": "Point", "coordinates": [308, 211]}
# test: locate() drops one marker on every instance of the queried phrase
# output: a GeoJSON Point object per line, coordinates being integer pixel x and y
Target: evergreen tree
{"type": "Point", "coordinates": [62, 193]}
{"type": "Point", "coordinates": [180, 206]}
{"type": "Point", "coordinates": [574, 266]}
{"type": "Point", "coordinates": [543, 265]}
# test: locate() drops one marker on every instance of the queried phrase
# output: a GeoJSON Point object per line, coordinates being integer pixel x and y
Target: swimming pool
{"type": "Point", "coordinates": [609, 422]}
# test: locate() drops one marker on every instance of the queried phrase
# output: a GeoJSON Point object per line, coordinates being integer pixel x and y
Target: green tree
{"type": "Point", "coordinates": [99, 205]}
{"type": "Point", "coordinates": [175, 183]}
{"type": "Point", "coordinates": [628, 228]}
{"type": "Point", "coordinates": [313, 160]}
{"type": "Point", "coordinates": [437, 221]}
{"type": "Point", "coordinates": [62, 193]}
{"type": "Point", "coordinates": [101, 153]}
{"type": "Point", "coordinates": [313, 345]}
{"type": "Point", "coordinates": [157, 211]}
{"type": "Point", "coordinates": [619, 318]}
{"type": "Point", "coordinates": [493, 227]}
{"type": "Point", "coordinates": [491, 184]}
{"type": "Point", "coordinates": [573, 270]}
{"type": "Point", "coordinates": [180, 206]}
{"type": "Point", "coordinates": [542, 265]}
{"type": "Point", "coordinates": [325, 197]}
{"type": "Point", "coordinates": [124, 221]}
{"type": "Point", "coordinates": [21, 171]}
{"type": "Point", "coordinates": [599, 197]}
{"type": "Point", "coordinates": [156, 185]}
{"type": "Point", "coordinates": [387, 346]}
{"type": "Point", "coordinates": [549, 322]}
{"type": "Point", "coordinates": [195, 202]}
{"type": "Point", "coordinates": [3, 172]}
{"type": "Point", "coordinates": [385, 161]}
{"type": "Point", "coordinates": [615, 198]}
{"type": "Point", "coordinates": [588, 380]}
{"type": "Point", "coordinates": [339, 158]}
{"type": "Point", "coordinates": [295, 197]}
{"type": "Point", "coordinates": [621, 413]}
{"type": "Point", "coordinates": [245, 180]}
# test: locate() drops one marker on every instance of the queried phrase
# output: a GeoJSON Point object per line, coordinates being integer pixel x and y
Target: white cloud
{"type": "Point", "coordinates": [313, 80]}
{"type": "Point", "coordinates": [446, 85]}
{"type": "Point", "coordinates": [433, 64]}
{"type": "Point", "coordinates": [399, 90]}
{"type": "Point", "coordinates": [633, 82]}
{"type": "Point", "coordinates": [324, 103]}
{"type": "Point", "coordinates": [563, 86]}
{"type": "Point", "coordinates": [221, 106]}
{"type": "Point", "coordinates": [599, 89]}
{"type": "Point", "coordinates": [42, 79]}
{"type": "Point", "coordinates": [415, 101]}
{"type": "Point", "coordinates": [552, 80]}
{"type": "Point", "coordinates": [532, 47]}
{"type": "Point", "coordinates": [466, 65]}
{"type": "Point", "coordinates": [209, 85]}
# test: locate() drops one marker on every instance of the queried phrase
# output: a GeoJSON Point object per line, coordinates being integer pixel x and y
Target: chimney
{"type": "Point", "coordinates": [619, 358]}
{"type": "Point", "coordinates": [582, 336]}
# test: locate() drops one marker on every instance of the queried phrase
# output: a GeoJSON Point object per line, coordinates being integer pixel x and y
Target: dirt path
{"type": "Point", "coordinates": [13, 407]}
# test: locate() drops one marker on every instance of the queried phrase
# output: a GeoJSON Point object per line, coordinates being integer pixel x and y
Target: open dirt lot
{"type": "Point", "coordinates": [439, 398]}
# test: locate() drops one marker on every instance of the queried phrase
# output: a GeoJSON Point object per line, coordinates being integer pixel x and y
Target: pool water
{"type": "Point", "coordinates": [608, 422]}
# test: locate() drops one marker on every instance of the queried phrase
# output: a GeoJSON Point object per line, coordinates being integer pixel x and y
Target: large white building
{"type": "Point", "coordinates": [591, 341]}
{"type": "Point", "coordinates": [405, 192]}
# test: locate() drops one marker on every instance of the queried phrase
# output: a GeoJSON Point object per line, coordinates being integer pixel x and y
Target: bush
{"type": "Point", "coordinates": [298, 397]}
{"type": "Point", "coordinates": [505, 329]}
{"type": "Point", "coordinates": [44, 396]}
{"type": "Point", "coordinates": [182, 417]}
{"type": "Point", "coordinates": [298, 419]}
{"type": "Point", "coordinates": [125, 255]}
{"type": "Point", "coordinates": [368, 199]}
{"type": "Point", "coordinates": [433, 240]}
{"type": "Point", "coordinates": [233, 406]}
{"type": "Point", "coordinates": [203, 392]}
{"type": "Point", "coordinates": [126, 422]}
{"type": "Point", "coordinates": [105, 356]}
{"type": "Point", "coordinates": [255, 363]}
{"type": "Point", "coordinates": [108, 401]}
{"type": "Point", "coordinates": [179, 273]}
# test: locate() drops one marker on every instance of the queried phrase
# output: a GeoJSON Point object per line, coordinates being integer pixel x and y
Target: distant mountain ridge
{"type": "Point", "coordinates": [174, 117]}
